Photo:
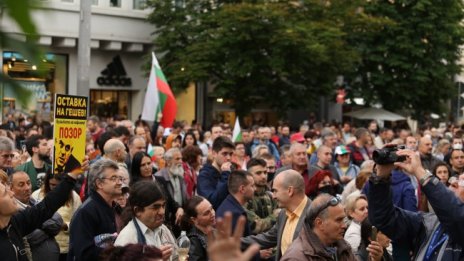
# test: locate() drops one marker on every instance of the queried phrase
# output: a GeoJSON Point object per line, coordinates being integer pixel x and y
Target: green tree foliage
{"type": "Point", "coordinates": [286, 53]}
{"type": "Point", "coordinates": [411, 62]}
{"type": "Point", "coordinates": [19, 12]}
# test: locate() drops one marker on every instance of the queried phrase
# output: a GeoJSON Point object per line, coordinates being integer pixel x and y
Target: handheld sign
{"type": "Point", "coordinates": [69, 133]}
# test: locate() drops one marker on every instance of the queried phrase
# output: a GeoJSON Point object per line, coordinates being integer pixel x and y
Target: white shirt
{"type": "Point", "coordinates": [128, 235]}
{"type": "Point", "coordinates": [353, 235]}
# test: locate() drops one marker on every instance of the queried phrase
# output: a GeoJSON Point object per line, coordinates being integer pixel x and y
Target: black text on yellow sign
{"type": "Point", "coordinates": [71, 107]}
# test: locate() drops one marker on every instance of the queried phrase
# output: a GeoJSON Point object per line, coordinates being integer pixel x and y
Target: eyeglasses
{"type": "Point", "coordinates": [332, 203]}
{"type": "Point", "coordinates": [6, 156]}
{"type": "Point", "coordinates": [115, 179]}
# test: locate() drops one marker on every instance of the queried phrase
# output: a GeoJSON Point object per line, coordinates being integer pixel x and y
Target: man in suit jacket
{"type": "Point", "coordinates": [289, 192]}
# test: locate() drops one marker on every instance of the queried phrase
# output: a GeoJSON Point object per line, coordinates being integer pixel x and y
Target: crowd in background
{"type": "Point", "coordinates": [145, 184]}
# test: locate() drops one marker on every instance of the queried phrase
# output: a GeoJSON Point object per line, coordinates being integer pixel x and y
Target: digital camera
{"type": "Point", "coordinates": [388, 155]}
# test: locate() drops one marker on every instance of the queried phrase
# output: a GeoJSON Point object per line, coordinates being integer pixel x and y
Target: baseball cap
{"type": "Point", "coordinates": [342, 149]}
{"type": "Point", "coordinates": [298, 137]}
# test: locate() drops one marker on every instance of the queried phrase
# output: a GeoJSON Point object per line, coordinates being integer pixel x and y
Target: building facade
{"type": "Point", "coordinates": [121, 38]}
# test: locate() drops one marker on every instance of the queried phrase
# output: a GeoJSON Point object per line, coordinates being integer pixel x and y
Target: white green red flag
{"type": "Point", "coordinates": [237, 133]}
{"type": "Point", "coordinates": [159, 100]}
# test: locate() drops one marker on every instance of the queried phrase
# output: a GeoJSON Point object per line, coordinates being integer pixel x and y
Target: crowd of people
{"type": "Point", "coordinates": [316, 192]}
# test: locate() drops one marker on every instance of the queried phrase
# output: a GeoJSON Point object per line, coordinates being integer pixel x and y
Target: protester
{"type": "Point", "coordinates": [6, 154]}
{"type": "Point", "coordinates": [356, 210]}
{"type": "Point", "coordinates": [321, 237]}
{"type": "Point", "coordinates": [15, 225]}
{"type": "Point", "coordinates": [367, 243]}
{"type": "Point", "coordinates": [212, 180]}
{"type": "Point", "coordinates": [443, 241]}
{"type": "Point", "coordinates": [288, 191]}
{"type": "Point", "coordinates": [199, 220]}
{"type": "Point", "coordinates": [241, 186]}
{"type": "Point", "coordinates": [96, 218]}
{"type": "Point", "coordinates": [39, 166]}
{"type": "Point", "coordinates": [147, 202]}
{"type": "Point", "coordinates": [66, 211]}
{"type": "Point", "coordinates": [322, 182]}
{"type": "Point", "coordinates": [191, 163]}
{"type": "Point", "coordinates": [41, 243]}
{"type": "Point", "coordinates": [442, 171]}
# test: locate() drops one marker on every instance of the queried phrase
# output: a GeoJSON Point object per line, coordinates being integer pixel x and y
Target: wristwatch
{"type": "Point", "coordinates": [426, 177]}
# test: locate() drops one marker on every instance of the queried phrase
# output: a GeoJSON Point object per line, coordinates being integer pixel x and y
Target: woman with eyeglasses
{"type": "Point", "coordinates": [356, 210]}
{"type": "Point", "coordinates": [323, 182]}
{"type": "Point", "coordinates": [199, 219]}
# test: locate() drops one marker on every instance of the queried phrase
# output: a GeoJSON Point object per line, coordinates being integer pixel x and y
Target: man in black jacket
{"type": "Point", "coordinates": [430, 236]}
{"type": "Point", "coordinates": [15, 225]}
{"type": "Point", "coordinates": [94, 222]}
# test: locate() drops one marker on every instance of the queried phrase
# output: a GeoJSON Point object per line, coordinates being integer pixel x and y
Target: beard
{"type": "Point", "coordinates": [177, 170]}
{"type": "Point", "coordinates": [45, 158]}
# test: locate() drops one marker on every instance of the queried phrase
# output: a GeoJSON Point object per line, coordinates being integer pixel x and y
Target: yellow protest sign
{"type": "Point", "coordinates": [69, 133]}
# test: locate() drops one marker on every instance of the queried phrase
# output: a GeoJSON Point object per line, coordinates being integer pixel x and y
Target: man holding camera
{"type": "Point", "coordinates": [429, 236]}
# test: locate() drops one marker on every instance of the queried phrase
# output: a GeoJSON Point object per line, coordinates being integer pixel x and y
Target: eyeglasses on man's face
{"type": "Point", "coordinates": [116, 179]}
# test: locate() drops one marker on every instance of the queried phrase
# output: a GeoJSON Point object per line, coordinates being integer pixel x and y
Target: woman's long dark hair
{"type": "Point", "coordinates": [46, 186]}
{"type": "Point", "coordinates": [189, 133]}
{"type": "Point", "coordinates": [190, 212]}
{"type": "Point", "coordinates": [136, 175]}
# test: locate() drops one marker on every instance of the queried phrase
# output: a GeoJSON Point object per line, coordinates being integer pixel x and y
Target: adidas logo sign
{"type": "Point", "coordinates": [114, 74]}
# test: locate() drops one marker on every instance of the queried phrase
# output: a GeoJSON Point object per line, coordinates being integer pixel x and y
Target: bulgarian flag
{"type": "Point", "coordinates": [159, 100]}
{"type": "Point", "coordinates": [237, 133]}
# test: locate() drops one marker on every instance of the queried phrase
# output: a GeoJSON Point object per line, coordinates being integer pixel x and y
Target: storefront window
{"type": "Point", "coordinates": [33, 86]}
{"type": "Point", "coordinates": [109, 103]}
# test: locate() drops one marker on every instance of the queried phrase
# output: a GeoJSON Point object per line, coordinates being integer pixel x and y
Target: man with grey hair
{"type": "Point", "coordinates": [289, 192]}
{"type": "Point", "coordinates": [116, 151]}
{"type": "Point", "coordinates": [322, 233]}
{"type": "Point", "coordinates": [94, 221]}
{"type": "Point", "coordinates": [299, 162]}
{"type": "Point", "coordinates": [264, 138]}
{"type": "Point", "coordinates": [171, 178]}
{"type": "Point", "coordinates": [6, 154]}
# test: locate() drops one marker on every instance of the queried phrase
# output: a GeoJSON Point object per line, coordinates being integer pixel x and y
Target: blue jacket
{"type": "Point", "coordinates": [272, 148]}
{"type": "Point", "coordinates": [94, 217]}
{"type": "Point", "coordinates": [403, 192]}
{"type": "Point", "coordinates": [212, 185]}
{"type": "Point", "coordinates": [415, 229]}
{"type": "Point", "coordinates": [232, 205]}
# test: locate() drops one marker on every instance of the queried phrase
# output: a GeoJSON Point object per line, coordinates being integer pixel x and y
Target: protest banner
{"type": "Point", "coordinates": [69, 133]}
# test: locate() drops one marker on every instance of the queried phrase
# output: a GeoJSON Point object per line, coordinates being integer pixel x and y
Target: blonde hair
{"type": "Point", "coordinates": [351, 200]}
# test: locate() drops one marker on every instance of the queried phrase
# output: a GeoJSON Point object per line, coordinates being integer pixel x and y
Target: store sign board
{"type": "Point", "coordinates": [114, 74]}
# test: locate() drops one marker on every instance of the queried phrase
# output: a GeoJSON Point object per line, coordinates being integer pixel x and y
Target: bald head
{"type": "Point", "coordinates": [425, 145]}
{"type": "Point", "coordinates": [114, 149]}
{"type": "Point", "coordinates": [291, 178]}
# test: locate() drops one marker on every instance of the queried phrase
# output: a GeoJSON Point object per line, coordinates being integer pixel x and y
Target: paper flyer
{"type": "Point", "coordinates": [69, 133]}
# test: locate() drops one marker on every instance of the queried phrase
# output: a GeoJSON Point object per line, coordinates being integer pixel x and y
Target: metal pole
{"type": "Point", "coordinates": [458, 116]}
{"type": "Point", "coordinates": [83, 49]}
